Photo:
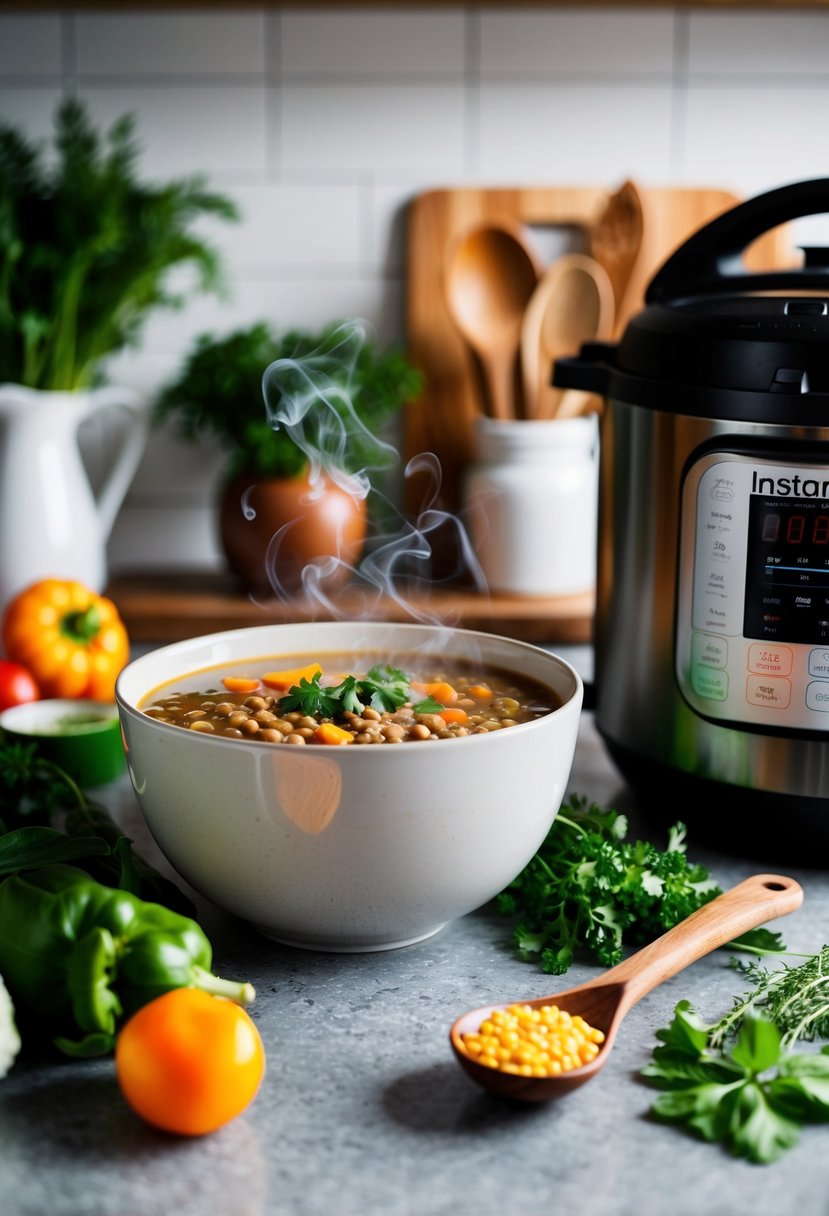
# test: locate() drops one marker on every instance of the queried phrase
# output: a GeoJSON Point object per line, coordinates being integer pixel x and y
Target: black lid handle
{"type": "Point", "coordinates": [710, 261]}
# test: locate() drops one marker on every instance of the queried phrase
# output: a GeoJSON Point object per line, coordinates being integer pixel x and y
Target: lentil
{"type": "Point", "coordinates": [470, 705]}
{"type": "Point", "coordinates": [531, 1042]}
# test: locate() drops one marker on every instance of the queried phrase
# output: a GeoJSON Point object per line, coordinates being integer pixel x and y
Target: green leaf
{"type": "Point", "coordinates": [30, 847]}
{"type": "Point", "coordinates": [755, 1130]}
{"type": "Point", "coordinates": [591, 892]}
{"type": "Point", "coordinates": [758, 1046]}
{"type": "Point", "coordinates": [686, 1036]}
{"type": "Point", "coordinates": [86, 248]}
{"type": "Point", "coordinates": [801, 1088]}
{"type": "Point", "coordinates": [758, 941]}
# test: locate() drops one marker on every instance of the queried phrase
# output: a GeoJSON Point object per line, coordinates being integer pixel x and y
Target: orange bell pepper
{"type": "Point", "coordinates": [72, 640]}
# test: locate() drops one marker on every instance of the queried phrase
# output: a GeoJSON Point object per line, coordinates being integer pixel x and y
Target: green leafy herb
{"type": "Point", "coordinates": [86, 248]}
{"type": "Point", "coordinates": [219, 393]}
{"type": "Point", "coordinates": [589, 891]}
{"type": "Point", "coordinates": [309, 697]}
{"type": "Point", "coordinates": [27, 848]}
{"type": "Point", "coordinates": [383, 688]}
{"type": "Point", "coordinates": [35, 794]}
{"type": "Point", "coordinates": [796, 999]}
{"type": "Point", "coordinates": [32, 790]}
{"type": "Point", "coordinates": [754, 1098]}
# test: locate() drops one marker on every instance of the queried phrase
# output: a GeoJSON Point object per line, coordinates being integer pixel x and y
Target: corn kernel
{"type": "Point", "coordinates": [529, 1042]}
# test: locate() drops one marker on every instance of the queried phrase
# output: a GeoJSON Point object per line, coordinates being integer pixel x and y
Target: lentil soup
{"type": "Point", "coordinates": [368, 699]}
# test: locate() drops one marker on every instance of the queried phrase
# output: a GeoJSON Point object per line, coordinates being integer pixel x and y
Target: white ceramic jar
{"type": "Point", "coordinates": [531, 504]}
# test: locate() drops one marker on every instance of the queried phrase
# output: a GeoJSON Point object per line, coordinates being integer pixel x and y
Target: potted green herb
{"type": "Point", "coordinates": [299, 416]}
{"type": "Point", "coordinates": [85, 251]}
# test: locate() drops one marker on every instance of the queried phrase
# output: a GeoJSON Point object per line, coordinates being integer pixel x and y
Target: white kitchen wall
{"type": "Point", "coordinates": [322, 124]}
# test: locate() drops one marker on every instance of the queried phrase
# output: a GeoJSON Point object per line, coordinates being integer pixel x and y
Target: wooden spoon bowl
{"type": "Point", "coordinates": [604, 1001]}
{"type": "Point", "coordinates": [491, 272]}
{"type": "Point", "coordinates": [573, 303]}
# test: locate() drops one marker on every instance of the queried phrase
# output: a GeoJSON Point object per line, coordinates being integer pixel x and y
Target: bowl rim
{"type": "Point", "coordinates": [128, 706]}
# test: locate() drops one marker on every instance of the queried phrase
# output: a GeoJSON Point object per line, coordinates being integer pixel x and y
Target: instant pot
{"type": "Point", "coordinates": [712, 617]}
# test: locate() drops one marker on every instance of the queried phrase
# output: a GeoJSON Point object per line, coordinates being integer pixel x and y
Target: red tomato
{"type": "Point", "coordinates": [16, 685]}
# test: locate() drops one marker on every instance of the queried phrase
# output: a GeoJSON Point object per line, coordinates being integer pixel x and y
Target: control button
{"type": "Point", "coordinates": [710, 683]}
{"type": "Point", "coordinates": [772, 660]}
{"type": "Point", "coordinates": [770, 693]}
{"type": "Point", "coordinates": [817, 696]}
{"type": "Point", "coordinates": [789, 380]}
{"type": "Point", "coordinates": [805, 308]}
{"type": "Point", "coordinates": [819, 663]}
{"type": "Point", "coordinates": [710, 650]}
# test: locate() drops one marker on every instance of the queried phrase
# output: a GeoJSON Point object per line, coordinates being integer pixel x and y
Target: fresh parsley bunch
{"type": "Point", "coordinates": [754, 1097]}
{"type": "Point", "coordinates": [589, 891]}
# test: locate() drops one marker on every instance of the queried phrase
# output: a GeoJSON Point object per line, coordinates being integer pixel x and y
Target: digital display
{"type": "Point", "coordinates": [787, 569]}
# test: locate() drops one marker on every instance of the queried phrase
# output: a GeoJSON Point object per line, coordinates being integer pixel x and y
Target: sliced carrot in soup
{"type": "Point", "coordinates": [287, 679]}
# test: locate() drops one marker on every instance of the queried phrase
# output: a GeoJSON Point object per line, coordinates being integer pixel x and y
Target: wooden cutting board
{"type": "Point", "coordinates": [442, 420]}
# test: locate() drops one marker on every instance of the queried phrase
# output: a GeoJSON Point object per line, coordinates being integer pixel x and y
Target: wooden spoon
{"type": "Point", "coordinates": [604, 1001]}
{"type": "Point", "coordinates": [491, 273]}
{"type": "Point", "coordinates": [573, 303]}
{"type": "Point", "coordinates": [616, 240]}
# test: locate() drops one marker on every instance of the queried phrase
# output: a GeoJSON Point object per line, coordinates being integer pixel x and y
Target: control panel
{"type": "Point", "coordinates": [752, 640]}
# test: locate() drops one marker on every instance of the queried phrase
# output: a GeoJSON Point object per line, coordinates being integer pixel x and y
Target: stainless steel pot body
{"type": "Point", "coordinates": [641, 711]}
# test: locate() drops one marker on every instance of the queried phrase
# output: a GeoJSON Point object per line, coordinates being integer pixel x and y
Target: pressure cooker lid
{"type": "Point", "coordinates": [718, 340]}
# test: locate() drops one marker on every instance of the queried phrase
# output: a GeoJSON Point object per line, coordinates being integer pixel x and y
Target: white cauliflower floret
{"type": "Point", "coordinates": [9, 1038]}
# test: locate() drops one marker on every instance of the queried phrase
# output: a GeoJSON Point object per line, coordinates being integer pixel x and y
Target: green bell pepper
{"type": "Point", "coordinates": [83, 956]}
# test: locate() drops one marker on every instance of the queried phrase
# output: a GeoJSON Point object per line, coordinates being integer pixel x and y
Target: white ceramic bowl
{"type": "Point", "coordinates": [349, 848]}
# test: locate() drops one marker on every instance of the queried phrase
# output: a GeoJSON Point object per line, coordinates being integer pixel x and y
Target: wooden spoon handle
{"type": "Point", "coordinates": [751, 903]}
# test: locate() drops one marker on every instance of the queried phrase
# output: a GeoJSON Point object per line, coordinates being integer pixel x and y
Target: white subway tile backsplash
{"type": "Point", "coordinates": [288, 226]}
{"type": "Point", "coordinates": [386, 231]}
{"type": "Point", "coordinates": [170, 44]}
{"type": "Point", "coordinates": [189, 128]}
{"type": "Point", "coordinates": [30, 45]}
{"type": "Point", "coordinates": [30, 110]}
{"type": "Point", "coordinates": [758, 43]}
{"type": "Point", "coordinates": [752, 139]}
{"type": "Point", "coordinates": [324, 124]}
{"type": "Point", "coordinates": [365, 43]}
{"type": "Point", "coordinates": [284, 303]}
{"type": "Point", "coordinates": [592, 41]}
{"type": "Point", "coordinates": [161, 538]}
{"type": "Point", "coordinates": [177, 471]}
{"type": "Point", "coordinates": [576, 135]}
{"type": "Point", "coordinates": [372, 129]}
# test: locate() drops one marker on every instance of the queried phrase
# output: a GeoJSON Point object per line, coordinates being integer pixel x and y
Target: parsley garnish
{"type": "Point", "coordinates": [588, 891]}
{"type": "Point", "coordinates": [754, 1097]}
{"type": "Point", "coordinates": [383, 688]}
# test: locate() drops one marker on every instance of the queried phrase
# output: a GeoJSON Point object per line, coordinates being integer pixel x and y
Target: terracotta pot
{"type": "Point", "coordinates": [317, 526]}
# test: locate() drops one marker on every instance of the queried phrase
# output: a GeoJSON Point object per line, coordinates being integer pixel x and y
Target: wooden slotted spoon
{"type": "Point", "coordinates": [491, 272]}
{"type": "Point", "coordinates": [604, 1001]}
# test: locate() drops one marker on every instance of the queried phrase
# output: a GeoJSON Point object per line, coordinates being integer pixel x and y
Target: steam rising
{"type": "Point", "coordinates": [307, 398]}
{"type": "Point", "coordinates": [311, 399]}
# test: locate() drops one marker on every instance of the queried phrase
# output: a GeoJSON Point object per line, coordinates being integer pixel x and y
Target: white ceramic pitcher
{"type": "Point", "coordinates": [51, 523]}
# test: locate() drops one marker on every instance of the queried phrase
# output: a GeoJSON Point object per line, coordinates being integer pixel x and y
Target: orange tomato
{"type": "Point", "coordinates": [189, 1062]}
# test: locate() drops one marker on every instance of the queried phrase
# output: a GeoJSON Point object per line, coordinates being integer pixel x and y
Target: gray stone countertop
{"type": "Point", "coordinates": [364, 1112]}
